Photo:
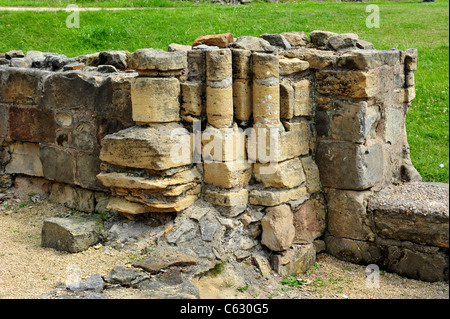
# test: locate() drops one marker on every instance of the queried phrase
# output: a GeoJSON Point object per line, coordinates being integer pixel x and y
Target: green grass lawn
{"type": "Point", "coordinates": [403, 24]}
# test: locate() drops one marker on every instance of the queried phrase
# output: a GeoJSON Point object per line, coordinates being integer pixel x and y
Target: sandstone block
{"type": "Point", "coordinates": [197, 65]}
{"type": "Point", "coordinates": [309, 221]}
{"type": "Point", "coordinates": [393, 124]}
{"type": "Point", "coordinates": [312, 174]}
{"type": "Point", "coordinates": [274, 197]}
{"type": "Point", "coordinates": [410, 59]}
{"type": "Point", "coordinates": [253, 44]}
{"type": "Point", "coordinates": [117, 59]}
{"type": "Point", "coordinates": [20, 85]}
{"type": "Point", "coordinates": [164, 260]}
{"type": "Point", "coordinates": [296, 38]}
{"type": "Point", "coordinates": [321, 38]}
{"type": "Point", "coordinates": [407, 95]}
{"type": "Point", "coordinates": [266, 104]}
{"type": "Point", "coordinates": [157, 60]}
{"type": "Point", "coordinates": [218, 64]}
{"type": "Point", "coordinates": [87, 166]}
{"type": "Point", "coordinates": [70, 234]}
{"type": "Point", "coordinates": [73, 197]}
{"type": "Point", "coordinates": [223, 144]}
{"type": "Point", "coordinates": [354, 122]}
{"type": "Point", "coordinates": [286, 100]}
{"type": "Point", "coordinates": [241, 64]}
{"type": "Point", "coordinates": [303, 101]}
{"type": "Point", "coordinates": [353, 84]}
{"type": "Point", "coordinates": [292, 66]}
{"type": "Point", "coordinates": [218, 40]}
{"type": "Point", "coordinates": [277, 40]}
{"type": "Point", "coordinates": [265, 65]}
{"type": "Point", "coordinates": [156, 147]}
{"type": "Point", "coordinates": [355, 251]}
{"type": "Point", "coordinates": [234, 200]}
{"type": "Point", "coordinates": [346, 165]}
{"type": "Point", "coordinates": [57, 164]}
{"type": "Point", "coordinates": [31, 125]}
{"type": "Point", "coordinates": [317, 59]}
{"type": "Point", "coordinates": [192, 93]}
{"type": "Point", "coordinates": [278, 228]}
{"type": "Point", "coordinates": [284, 174]}
{"type": "Point", "coordinates": [227, 174]}
{"type": "Point", "coordinates": [4, 121]}
{"type": "Point", "coordinates": [242, 99]}
{"type": "Point", "coordinates": [219, 106]}
{"type": "Point", "coordinates": [347, 214]}
{"type": "Point", "coordinates": [179, 47]}
{"type": "Point", "coordinates": [343, 41]}
{"type": "Point", "coordinates": [299, 259]}
{"type": "Point", "coordinates": [155, 100]}
{"type": "Point", "coordinates": [25, 159]}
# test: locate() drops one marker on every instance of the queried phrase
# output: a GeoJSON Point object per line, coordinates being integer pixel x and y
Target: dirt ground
{"type": "Point", "coordinates": [28, 271]}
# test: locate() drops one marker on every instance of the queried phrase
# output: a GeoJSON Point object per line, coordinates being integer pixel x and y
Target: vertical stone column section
{"type": "Point", "coordinates": [242, 84]}
{"type": "Point", "coordinates": [266, 89]}
{"type": "Point", "coordinates": [219, 89]}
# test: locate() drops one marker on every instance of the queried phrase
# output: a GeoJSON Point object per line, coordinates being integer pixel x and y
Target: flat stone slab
{"type": "Point", "coordinates": [417, 212]}
{"type": "Point", "coordinates": [155, 263]}
{"type": "Point", "coordinates": [73, 234]}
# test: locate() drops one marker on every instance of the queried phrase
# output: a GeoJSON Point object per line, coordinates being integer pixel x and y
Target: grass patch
{"type": "Point", "coordinates": [403, 24]}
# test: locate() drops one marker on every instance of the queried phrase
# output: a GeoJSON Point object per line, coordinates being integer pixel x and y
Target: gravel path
{"type": "Point", "coordinates": [27, 270]}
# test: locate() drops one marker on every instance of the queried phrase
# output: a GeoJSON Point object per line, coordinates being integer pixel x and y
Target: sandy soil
{"type": "Point", "coordinates": [27, 270]}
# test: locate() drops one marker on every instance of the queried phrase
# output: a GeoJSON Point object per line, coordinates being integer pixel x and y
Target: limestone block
{"type": "Point", "coordinates": [25, 159]}
{"type": "Point", "coordinates": [227, 174]}
{"type": "Point", "coordinates": [274, 197]}
{"type": "Point", "coordinates": [157, 147]}
{"type": "Point", "coordinates": [347, 214]}
{"type": "Point", "coordinates": [345, 165]}
{"type": "Point", "coordinates": [242, 99]}
{"type": "Point", "coordinates": [303, 100]}
{"type": "Point", "coordinates": [31, 124]}
{"type": "Point", "coordinates": [284, 174]}
{"type": "Point", "coordinates": [354, 122]}
{"type": "Point", "coordinates": [309, 221]}
{"type": "Point", "coordinates": [312, 174]}
{"type": "Point", "coordinates": [219, 106]}
{"type": "Point", "coordinates": [218, 40]}
{"type": "Point", "coordinates": [57, 164]}
{"type": "Point", "coordinates": [292, 66]}
{"type": "Point", "coordinates": [278, 228]}
{"type": "Point", "coordinates": [352, 84]}
{"type": "Point", "coordinates": [298, 260]}
{"type": "Point", "coordinates": [73, 234]}
{"type": "Point", "coordinates": [155, 100]}
{"type": "Point", "coordinates": [192, 94]}
{"type": "Point", "coordinates": [156, 59]}
{"type": "Point", "coordinates": [223, 144]}
{"type": "Point", "coordinates": [73, 197]}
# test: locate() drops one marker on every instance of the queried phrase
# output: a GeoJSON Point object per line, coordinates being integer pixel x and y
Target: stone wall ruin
{"type": "Point", "coordinates": [269, 146]}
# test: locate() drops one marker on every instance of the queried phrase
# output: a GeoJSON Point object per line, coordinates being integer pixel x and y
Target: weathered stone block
{"type": "Point", "coordinates": [321, 38]}
{"type": "Point", "coordinates": [278, 228]}
{"type": "Point", "coordinates": [86, 169]}
{"type": "Point", "coordinates": [218, 64]}
{"type": "Point", "coordinates": [354, 122]}
{"type": "Point", "coordinates": [312, 174]}
{"type": "Point", "coordinates": [57, 164]}
{"type": "Point", "coordinates": [348, 216]}
{"type": "Point", "coordinates": [156, 147]}
{"type": "Point", "coordinates": [284, 174]}
{"type": "Point", "coordinates": [192, 94]}
{"type": "Point", "coordinates": [21, 86]}
{"type": "Point", "coordinates": [297, 260]}
{"type": "Point", "coordinates": [355, 251]}
{"type": "Point", "coordinates": [235, 200]}
{"type": "Point", "coordinates": [241, 64]}
{"type": "Point", "coordinates": [116, 58]}
{"type": "Point", "coordinates": [277, 40]}
{"type": "Point", "coordinates": [317, 59]}
{"type": "Point", "coordinates": [274, 197]}
{"type": "Point", "coordinates": [309, 221]}
{"type": "Point", "coordinates": [292, 65]}
{"type": "Point", "coordinates": [352, 84]}
{"type": "Point", "coordinates": [296, 38]}
{"type": "Point", "coordinates": [31, 124]}
{"type": "Point", "coordinates": [266, 104]}
{"type": "Point", "coordinates": [73, 197]}
{"type": "Point", "coordinates": [4, 121]}
{"type": "Point", "coordinates": [343, 41]}
{"type": "Point", "coordinates": [157, 60]}
{"type": "Point", "coordinates": [219, 106]}
{"type": "Point", "coordinates": [227, 174]}
{"type": "Point", "coordinates": [70, 234]}
{"type": "Point", "coordinates": [25, 159]}
{"type": "Point", "coordinates": [223, 144]}
{"type": "Point", "coordinates": [265, 65]}
{"type": "Point", "coordinates": [345, 165]}
{"type": "Point", "coordinates": [303, 101]}
{"type": "Point", "coordinates": [218, 40]}
{"type": "Point", "coordinates": [242, 99]}
{"type": "Point", "coordinates": [253, 44]}
{"type": "Point", "coordinates": [393, 124]}
{"type": "Point", "coordinates": [197, 65]}
{"type": "Point", "coordinates": [155, 100]}
{"type": "Point", "coordinates": [286, 100]}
